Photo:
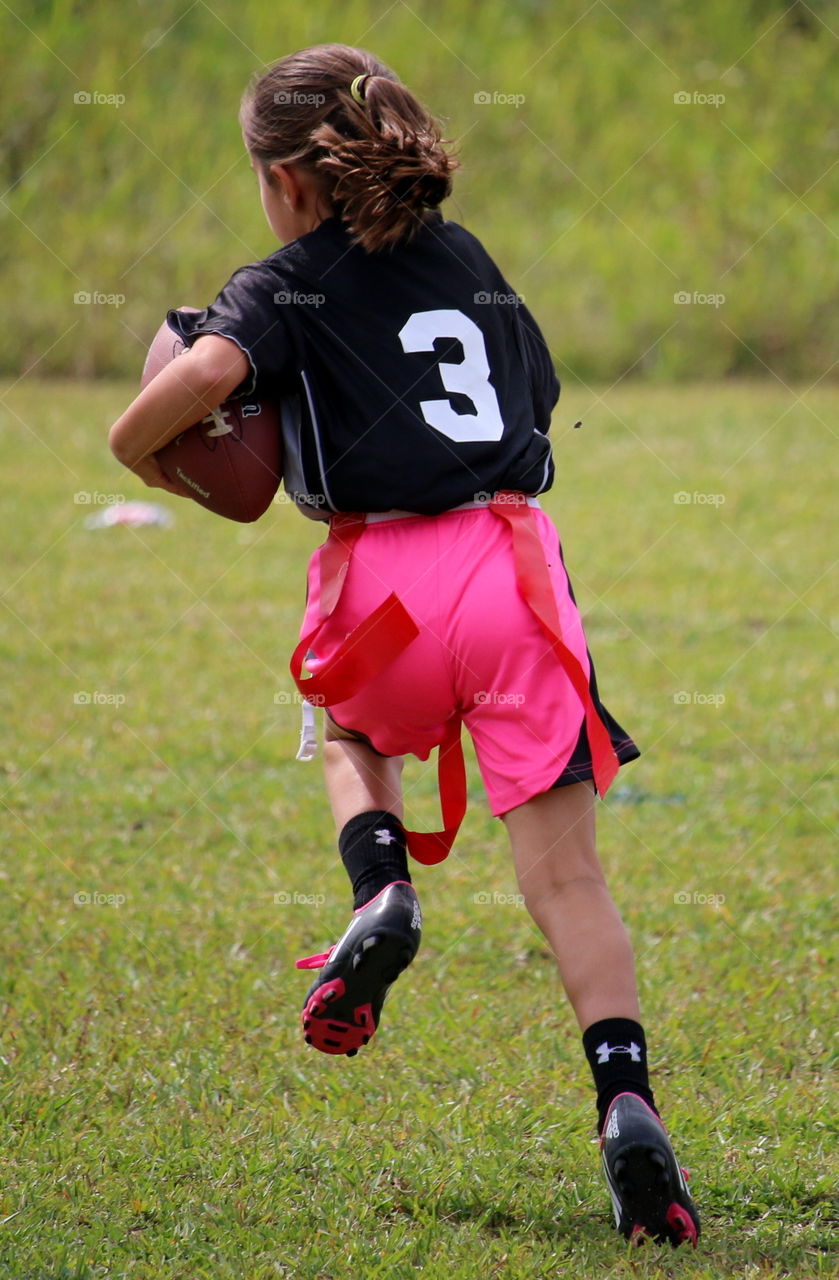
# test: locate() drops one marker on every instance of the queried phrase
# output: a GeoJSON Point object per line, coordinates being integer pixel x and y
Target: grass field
{"type": "Point", "coordinates": [161, 1116]}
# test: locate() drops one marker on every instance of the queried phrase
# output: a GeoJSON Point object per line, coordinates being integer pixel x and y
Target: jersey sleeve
{"type": "Point", "coordinates": [544, 384]}
{"type": "Point", "coordinates": [246, 311]}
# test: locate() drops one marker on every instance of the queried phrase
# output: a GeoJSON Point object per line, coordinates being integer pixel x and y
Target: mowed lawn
{"type": "Point", "coordinates": [166, 860]}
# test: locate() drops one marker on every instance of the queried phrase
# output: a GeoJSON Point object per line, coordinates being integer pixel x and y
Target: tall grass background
{"type": "Point", "coordinates": [601, 196]}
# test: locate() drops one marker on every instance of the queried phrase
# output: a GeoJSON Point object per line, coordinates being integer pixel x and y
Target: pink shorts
{"type": "Point", "coordinates": [480, 654]}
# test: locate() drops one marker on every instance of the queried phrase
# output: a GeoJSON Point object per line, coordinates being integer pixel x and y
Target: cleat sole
{"type": "Point", "coordinates": [647, 1199]}
{"type": "Point", "coordinates": [649, 1195]}
{"type": "Point", "coordinates": [358, 974]}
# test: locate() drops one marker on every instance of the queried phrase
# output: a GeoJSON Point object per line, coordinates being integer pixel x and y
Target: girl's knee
{"type": "Point", "coordinates": [557, 890]}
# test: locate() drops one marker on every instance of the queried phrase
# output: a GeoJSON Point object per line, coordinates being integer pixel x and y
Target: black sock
{"type": "Point", "coordinates": [374, 852]}
{"type": "Point", "coordinates": [617, 1054]}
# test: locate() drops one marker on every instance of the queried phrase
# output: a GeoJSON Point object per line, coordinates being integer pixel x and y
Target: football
{"type": "Point", "coordinates": [231, 461]}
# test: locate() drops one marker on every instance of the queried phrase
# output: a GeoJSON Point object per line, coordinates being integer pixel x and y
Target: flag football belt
{"type": "Point", "coordinates": [388, 631]}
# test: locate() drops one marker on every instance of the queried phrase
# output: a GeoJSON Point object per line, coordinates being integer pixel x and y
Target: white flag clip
{"type": "Point", "coordinates": [308, 748]}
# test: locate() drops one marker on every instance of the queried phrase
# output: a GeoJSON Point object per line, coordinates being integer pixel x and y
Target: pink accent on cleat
{"type": "Point", "coordinates": [314, 962]}
{"type": "Point", "coordinates": [682, 1225]}
{"type": "Point", "coordinates": [335, 1037]}
{"type": "Point", "coordinates": [318, 1002]}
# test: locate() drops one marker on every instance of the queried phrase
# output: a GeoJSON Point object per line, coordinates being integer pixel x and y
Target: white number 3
{"type": "Point", "coordinates": [469, 378]}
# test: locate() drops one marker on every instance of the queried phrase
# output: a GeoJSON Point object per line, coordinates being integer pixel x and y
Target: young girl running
{"type": "Point", "coordinates": [416, 392]}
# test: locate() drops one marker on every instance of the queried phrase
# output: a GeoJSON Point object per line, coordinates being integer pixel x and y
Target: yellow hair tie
{"type": "Point", "coordinates": [355, 89]}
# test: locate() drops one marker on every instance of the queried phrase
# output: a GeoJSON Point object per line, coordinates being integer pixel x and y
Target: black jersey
{"type": "Point", "coordinates": [411, 379]}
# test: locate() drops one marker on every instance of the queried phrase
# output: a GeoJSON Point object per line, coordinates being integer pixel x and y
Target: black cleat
{"type": "Point", "coordinates": [647, 1185]}
{"type": "Point", "coordinates": [342, 1007]}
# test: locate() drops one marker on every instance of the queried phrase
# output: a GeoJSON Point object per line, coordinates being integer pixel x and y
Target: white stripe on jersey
{"type": "Point", "coordinates": [316, 434]}
{"type": "Point", "coordinates": [543, 484]}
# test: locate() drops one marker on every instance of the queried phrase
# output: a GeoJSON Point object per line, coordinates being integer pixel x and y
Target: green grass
{"type": "Point", "coordinates": [600, 196]}
{"type": "Point", "coordinates": [161, 1116]}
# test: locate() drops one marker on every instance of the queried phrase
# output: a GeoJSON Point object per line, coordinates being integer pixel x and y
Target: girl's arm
{"type": "Point", "coordinates": [182, 394]}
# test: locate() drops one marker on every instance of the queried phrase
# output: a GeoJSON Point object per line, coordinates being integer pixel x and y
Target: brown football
{"type": "Point", "coordinates": [231, 461]}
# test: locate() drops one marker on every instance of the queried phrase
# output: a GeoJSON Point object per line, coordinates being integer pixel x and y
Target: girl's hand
{"type": "Point", "coordinates": [151, 473]}
{"type": "Point", "coordinates": [182, 394]}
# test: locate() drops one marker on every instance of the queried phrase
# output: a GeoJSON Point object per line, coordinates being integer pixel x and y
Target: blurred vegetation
{"type": "Point", "coordinates": [600, 195]}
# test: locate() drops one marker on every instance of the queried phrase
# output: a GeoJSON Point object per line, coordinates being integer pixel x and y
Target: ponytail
{"type": "Point", "coordinates": [343, 115]}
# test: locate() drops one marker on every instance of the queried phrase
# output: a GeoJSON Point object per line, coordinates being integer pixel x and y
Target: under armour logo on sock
{"type": "Point", "coordinates": [383, 836]}
{"type": "Point", "coordinates": [605, 1051]}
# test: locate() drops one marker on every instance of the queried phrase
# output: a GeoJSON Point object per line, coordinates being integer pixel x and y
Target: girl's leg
{"type": "Point", "coordinates": [342, 1007]}
{"type": "Point", "coordinates": [365, 794]}
{"type": "Point", "coordinates": [560, 876]}
{"type": "Point", "coordinates": [565, 891]}
{"type": "Point", "coordinates": [358, 779]}
{"type": "Point", "coordinates": [553, 841]}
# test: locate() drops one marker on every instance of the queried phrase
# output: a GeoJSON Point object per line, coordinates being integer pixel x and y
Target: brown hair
{"type": "Point", "coordinates": [381, 162]}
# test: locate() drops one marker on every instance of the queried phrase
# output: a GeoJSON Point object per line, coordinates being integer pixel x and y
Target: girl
{"type": "Point", "coordinates": [416, 392]}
